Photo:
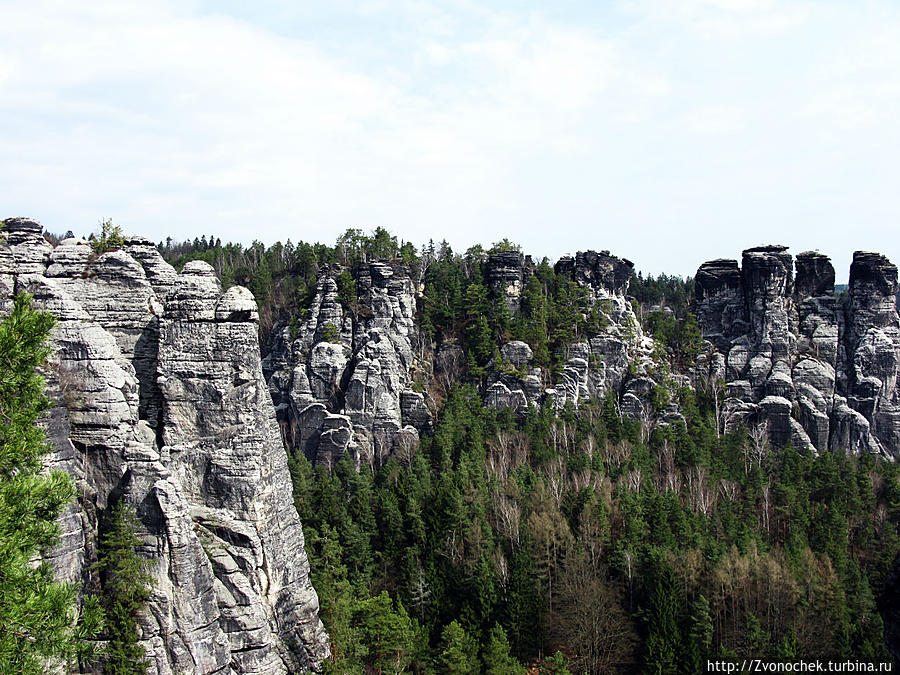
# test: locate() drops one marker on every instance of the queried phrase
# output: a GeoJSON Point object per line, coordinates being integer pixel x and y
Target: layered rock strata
{"type": "Point", "coordinates": [160, 400]}
{"type": "Point", "coordinates": [617, 359]}
{"type": "Point", "coordinates": [343, 380]}
{"type": "Point", "coordinates": [817, 372]}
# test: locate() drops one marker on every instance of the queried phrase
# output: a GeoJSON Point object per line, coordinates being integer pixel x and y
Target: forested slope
{"type": "Point", "coordinates": [502, 463]}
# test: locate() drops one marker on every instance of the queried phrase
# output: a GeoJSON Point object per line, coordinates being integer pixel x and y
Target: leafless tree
{"type": "Point", "coordinates": [729, 489]}
{"type": "Point", "coordinates": [507, 516]}
{"type": "Point", "coordinates": [634, 479]}
{"type": "Point", "coordinates": [700, 497]}
{"type": "Point", "coordinates": [407, 445]}
{"type": "Point", "coordinates": [667, 478]}
{"type": "Point", "coordinates": [757, 448]}
{"type": "Point", "coordinates": [556, 479]}
{"type": "Point", "coordinates": [506, 452]}
{"type": "Point", "coordinates": [766, 510]}
{"type": "Point", "coordinates": [599, 635]}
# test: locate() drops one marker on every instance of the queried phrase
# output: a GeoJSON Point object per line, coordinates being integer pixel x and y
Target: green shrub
{"type": "Point", "coordinates": [109, 239]}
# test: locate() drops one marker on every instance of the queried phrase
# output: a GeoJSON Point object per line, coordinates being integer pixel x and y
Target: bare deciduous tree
{"type": "Point", "coordinates": [590, 621]}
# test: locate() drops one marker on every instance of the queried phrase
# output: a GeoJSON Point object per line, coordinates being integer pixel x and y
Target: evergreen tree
{"type": "Point", "coordinates": [126, 587]}
{"type": "Point", "coordinates": [37, 613]}
{"type": "Point", "coordinates": [661, 617]}
{"type": "Point", "coordinates": [700, 634]}
{"type": "Point", "coordinates": [459, 652]}
{"type": "Point", "coordinates": [390, 635]}
{"type": "Point", "coordinates": [497, 659]}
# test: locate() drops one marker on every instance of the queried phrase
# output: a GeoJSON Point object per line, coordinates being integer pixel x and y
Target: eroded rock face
{"type": "Point", "coordinates": [160, 400]}
{"type": "Point", "coordinates": [606, 362]}
{"type": "Point", "coordinates": [820, 375]}
{"type": "Point", "coordinates": [597, 270]}
{"type": "Point", "coordinates": [870, 346]}
{"type": "Point", "coordinates": [353, 395]}
{"type": "Point", "coordinates": [505, 277]}
{"type": "Point", "coordinates": [603, 362]}
{"type": "Point", "coordinates": [719, 290]}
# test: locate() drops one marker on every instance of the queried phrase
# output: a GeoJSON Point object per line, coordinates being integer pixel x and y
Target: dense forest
{"type": "Point", "coordinates": [579, 541]}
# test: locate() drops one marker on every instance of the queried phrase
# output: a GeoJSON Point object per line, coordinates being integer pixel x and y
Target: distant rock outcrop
{"type": "Point", "coordinates": [356, 394]}
{"type": "Point", "coordinates": [608, 361]}
{"type": "Point", "coordinates": [819, 372]}
{"type": "Point", "coordinates": [160, 400]}
{"type": "Point", "coordinates": [360, 393]}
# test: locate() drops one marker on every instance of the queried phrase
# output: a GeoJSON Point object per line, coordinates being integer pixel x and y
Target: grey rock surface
{"type": "Point", "coordinates": [784, 336]}
{"type": "Point", "coordinates": [365, 378]}
{"type": "Point", "coordinates": [160, 400]}
{"type": "Point", "coordinates": [594, 366]}
{"type": "Point", "coordinates": [505, 277]}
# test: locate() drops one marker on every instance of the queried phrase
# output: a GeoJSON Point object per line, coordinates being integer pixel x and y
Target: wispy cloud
{"type": "Point", "coordinates": [560, 129]}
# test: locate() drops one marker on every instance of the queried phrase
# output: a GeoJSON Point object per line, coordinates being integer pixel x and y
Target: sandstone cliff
{"type": "Point", "coordinates": [352, 392]}
{"type": "Point", "coordinates": [816, 371]}
{"type": "Point", "coordinates": [351, 380]}
{"type": "Point", "coordinates": [160, 400]}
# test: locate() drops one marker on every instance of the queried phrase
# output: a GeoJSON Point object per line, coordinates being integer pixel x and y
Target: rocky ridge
{"type": "Point", "coordinates": [343, 381]}
{"type": "Point", "coordinates": [816, 371]}
{"type": "Point", "coordinates": [160, 400]}
{"type": "Point", "coordinates": [617, 359]}
{"type": "Point", "coordinates": [351, 381]}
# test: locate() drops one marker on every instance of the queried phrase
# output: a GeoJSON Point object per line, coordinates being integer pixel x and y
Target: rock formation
{"type": "Point", "coordinates": [819, 373]}
{"type": "Point", "coordinates": [160, 400]}
{"type": "Point", "coordinates": [354, 391]}
{"type": "Point", "coordinates": [505, 273]}
{"type": "Point", "coordinates": [343, 380]}
{"type": "Point", "coordinates": [600, 363]}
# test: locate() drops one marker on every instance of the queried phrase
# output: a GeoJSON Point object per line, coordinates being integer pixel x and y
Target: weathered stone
{"type": "Point", "coordinates": [848, 353]}
{"type": "Point", "coordinates": [504, 272]}
{"type": "Point", "coordinates": [498, 395]}
{"type": "Point", "coordinates": [720, 301]}
{"type": "Point", "coordinates": [516, 353]}
{"type": "Point", "coordinates": [237, 304]}
{"type": "Point", "coordinates": [210, 482]}
{"type": "Point", "coordinates": [413, 410]}
{"type": "Point", "coordinates": [26, 244]}
{"type": "Point", "coordinates": [598, 271]}
{"type": "Point", "coordinates": [870, 348]}
{"type": "Point", "coordinates": [777, 411]}
{"type": "Point", "coordinates": [767, 282]}
{"type": "Point", "coordinates": [365, 375]}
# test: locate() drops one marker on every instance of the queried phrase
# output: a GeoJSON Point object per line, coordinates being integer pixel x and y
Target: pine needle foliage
{"type": "Point", "coordinates": [39, 623]}
{"type": "Point", "coordinates": [126, 587]}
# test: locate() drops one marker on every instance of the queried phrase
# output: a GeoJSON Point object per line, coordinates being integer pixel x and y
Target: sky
{"type": "Point", "coordinates": [669, 132]}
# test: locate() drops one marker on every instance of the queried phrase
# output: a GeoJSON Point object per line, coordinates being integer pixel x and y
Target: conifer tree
{"type": "Point", "coordinates": [37, 612]}
{"type": "Point", "coordinates": [497, 659]}
{"type": "Point", "coordinates": [126, 587]}
{"type": "Point", "coordinates": [459, 653]}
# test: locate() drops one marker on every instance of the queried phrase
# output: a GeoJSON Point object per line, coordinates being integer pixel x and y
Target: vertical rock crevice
{"type": "Point", "coordinates": [819, 373]}
{"type": "Point", "coordinates": [160, 400]}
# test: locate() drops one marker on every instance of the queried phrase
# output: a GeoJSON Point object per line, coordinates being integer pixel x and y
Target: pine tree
{"type": "Point", "coordinates": [459, 652]}
{"type": "Point", "coordinates": [700, 636]}
{"type": "Point", "coordinates": [126, 587]}
{"type": "Point", "coordinates": [37, 613]}
{"type": "Point", "coordinates": [497, 659]}
{"type": "Point", "coordinates": [390, 635]}
{"type": "Point", "coordinates": [661, 616]}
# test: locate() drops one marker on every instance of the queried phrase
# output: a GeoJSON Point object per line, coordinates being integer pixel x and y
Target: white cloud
{"type": "Point", "coordinates": [713, 120]}
{"type": "Point", "coordinates": [220, 107]}
{"type": "Point", "coordinates": [725, 19]}
{"type": "Point", "coordinates": [703, 116]}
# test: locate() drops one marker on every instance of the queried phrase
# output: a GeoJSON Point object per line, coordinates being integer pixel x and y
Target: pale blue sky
{"type": "Point", "coordinates": [667, 131]}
